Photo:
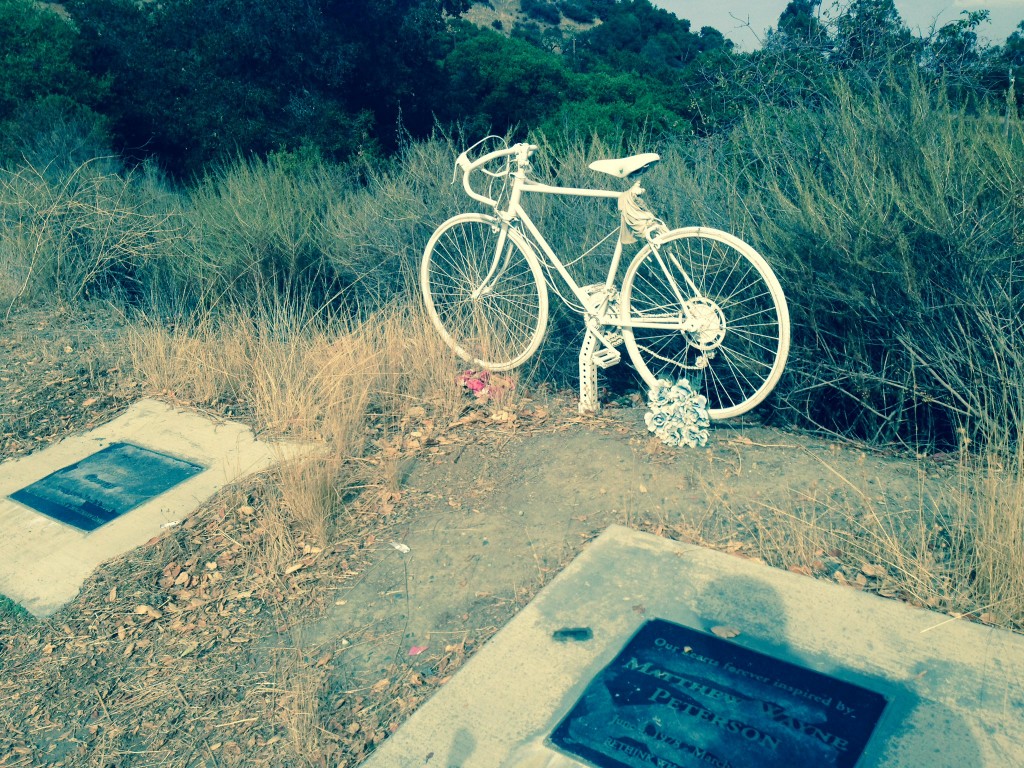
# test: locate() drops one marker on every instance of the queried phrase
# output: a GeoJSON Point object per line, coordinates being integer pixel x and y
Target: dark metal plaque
{"type": "Point", "coordinates": [679, 698]}
{"type": "Point", "coordinates": [105, 485]}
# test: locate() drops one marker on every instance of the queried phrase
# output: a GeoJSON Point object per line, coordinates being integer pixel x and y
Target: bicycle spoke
{"type": "Point", "coordinates": [737, 325]}
{"type": "Point", "coordinates": [490, 306]}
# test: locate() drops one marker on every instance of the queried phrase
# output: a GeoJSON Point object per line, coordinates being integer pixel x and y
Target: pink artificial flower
{"type": "Point", "coordinates": [483, 384]}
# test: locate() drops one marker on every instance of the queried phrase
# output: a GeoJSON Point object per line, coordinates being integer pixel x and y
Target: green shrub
{"type": "Point", "coordinates": [542, 10]}
{"type": "Point", "coordinates": [577, 12]}
{"type": "Point", "coordinates": [11, 611]}
{"type": "Point", "coordinates": [56, 135]}
{"type": "Point", "coordinates": [892, 217]}
{"type": "Point", "coordinates": [38, 61]}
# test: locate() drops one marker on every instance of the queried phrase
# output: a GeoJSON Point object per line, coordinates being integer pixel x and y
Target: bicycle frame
{"type": "Point", "coordinates": [514, 211]}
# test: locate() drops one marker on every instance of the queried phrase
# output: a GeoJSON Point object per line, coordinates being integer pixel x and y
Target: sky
{"type": "Point", "coordinates": [731, 17]}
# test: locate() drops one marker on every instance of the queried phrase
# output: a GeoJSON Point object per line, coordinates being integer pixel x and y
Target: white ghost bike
{"type": "Point", "coordinates": [694, 303]}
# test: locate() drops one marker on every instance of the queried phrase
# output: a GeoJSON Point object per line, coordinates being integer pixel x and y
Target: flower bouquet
{"type": "Point", "coordinates": [678, 415]}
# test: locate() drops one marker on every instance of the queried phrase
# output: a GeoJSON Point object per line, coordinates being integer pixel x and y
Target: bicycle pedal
{"type": "Point", "coordinates": [607, 357]}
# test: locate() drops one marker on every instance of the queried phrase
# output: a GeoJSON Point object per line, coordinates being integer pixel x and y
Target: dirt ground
{"type": "Point", "coordinates": [490, 522]}
{"type": "Point", "coordinates": [324, 660]}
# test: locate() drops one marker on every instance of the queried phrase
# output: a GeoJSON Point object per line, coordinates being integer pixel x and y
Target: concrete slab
{"type": "Point", "coordinates": [43, 563]}
{"type": "Point", "coordinates": [956, 689]}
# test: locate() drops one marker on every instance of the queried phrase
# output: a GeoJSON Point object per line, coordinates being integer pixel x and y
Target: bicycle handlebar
{"type": "Point", "coordinates": [521, 151]}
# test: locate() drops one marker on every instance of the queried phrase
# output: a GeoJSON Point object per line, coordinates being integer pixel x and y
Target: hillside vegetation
{"type": "Point", "coordinates": [245, 190]}
{"type": "Point", "coordinates": [879, 173]}
{"type": "Point", "coordinates": [169, 160]}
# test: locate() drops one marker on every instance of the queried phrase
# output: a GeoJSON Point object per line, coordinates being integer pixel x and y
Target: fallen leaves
{"type": "Point", "coordinates": [725, 632]}
{"type": "Point", "coordinates": [874, 571]}
{"type": "Point", "coordinates": [148, 610]}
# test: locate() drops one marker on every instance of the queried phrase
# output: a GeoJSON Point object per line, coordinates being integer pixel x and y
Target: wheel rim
{"type": "Point", "coordinates": [492, 315]}
{"type": "Point", "coordinates": [735, 348]}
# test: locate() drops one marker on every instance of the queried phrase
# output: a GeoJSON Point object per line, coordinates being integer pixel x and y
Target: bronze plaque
{"type": "Point", "coordinates": [675, 697]}
{"type": "Point", "coordinates": [105, 485]}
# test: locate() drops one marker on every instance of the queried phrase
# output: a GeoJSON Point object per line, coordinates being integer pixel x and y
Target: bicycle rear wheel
{"type": "Point", "coordinates": [735, 354]}
{"type": "Point", "coordinates": [490, 307]}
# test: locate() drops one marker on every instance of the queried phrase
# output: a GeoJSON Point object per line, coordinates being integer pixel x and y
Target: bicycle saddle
{"type": "Point", "coordinates": [625, 166]}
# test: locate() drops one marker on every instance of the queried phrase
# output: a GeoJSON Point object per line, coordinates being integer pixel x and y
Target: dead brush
{"type": "Point", "coordinates": [312, 491]}
{"type": "Point", "coordinates": [93, 232]}
{"type": "Point", "coordinates": [299, 686]}
{"type": "Point", "coordinates": [331, 386]}
{"type": "Point", "coordinates": [987, 530]}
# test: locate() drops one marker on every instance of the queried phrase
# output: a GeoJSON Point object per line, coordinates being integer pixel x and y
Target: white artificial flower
{"type": "Point", "coordinates": [678, 415]}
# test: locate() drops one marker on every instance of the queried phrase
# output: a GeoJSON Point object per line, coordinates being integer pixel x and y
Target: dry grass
{"type": "Point", "coordinates": [362, 397]}
{"type": "Point", "coordinates": [987, 532]}
{"type": "Point", "coordinates": [302, 378]}
{"type": "Point", "coordinates": [954, 543]}
{"type": "Point", "coordinates": [879, 544]}
{"type": "Point", "coordinates": [339, 388]}
{"type": "Point", "coordinates": [300, 686]}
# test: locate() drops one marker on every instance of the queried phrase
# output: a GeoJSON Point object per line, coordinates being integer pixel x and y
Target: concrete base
{"type": "Point", "coordinates": [956, 689]}
{"type": "Point", "coordinates": [43, 563]}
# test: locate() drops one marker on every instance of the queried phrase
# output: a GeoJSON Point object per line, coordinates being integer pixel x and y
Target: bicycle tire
{"type": "Point", "coordinates": [504, 326]}
{"type": "Point", "coordinates": [737, 358]}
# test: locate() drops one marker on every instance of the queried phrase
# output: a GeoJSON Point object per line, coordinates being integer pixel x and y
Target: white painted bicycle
{"type": "Point", "coordinates": [695, 303]}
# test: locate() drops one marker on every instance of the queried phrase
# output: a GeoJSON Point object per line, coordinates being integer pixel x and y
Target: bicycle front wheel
{"type": "Point", "coordinates": [484, 291]}
{"type": "Point", "coordinates": [703, 305]}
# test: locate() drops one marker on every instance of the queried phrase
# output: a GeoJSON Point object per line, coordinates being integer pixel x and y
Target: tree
{"type": "Point", "coordinates": [1012, 61]}
{"type": "Point", "coordinates": [637, 37]}
{"type": "Point", "coordinates": [196, 81]}
{"type": "Point", "coordinates": [542, 10]}
{"type": "Point", "coordinates": [953, 54]}
{"type": "Point", "coordinates": [37, 45]}
{"type": "Point", "coordinates": [800, 24]}
{"type": "Point", "coordinates": [869, 33]}
{"type": "Point", "coordinates": [495, 83]}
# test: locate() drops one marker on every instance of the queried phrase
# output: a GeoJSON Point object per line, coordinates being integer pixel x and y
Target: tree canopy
{"type": "Point", "coordinates": [191, 83]}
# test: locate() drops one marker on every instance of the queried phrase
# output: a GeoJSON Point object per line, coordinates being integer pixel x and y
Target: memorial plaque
{"type": "Point", "coordinates": [679, 698]}
{"type": "Point", "coordinates": [105, 485]}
